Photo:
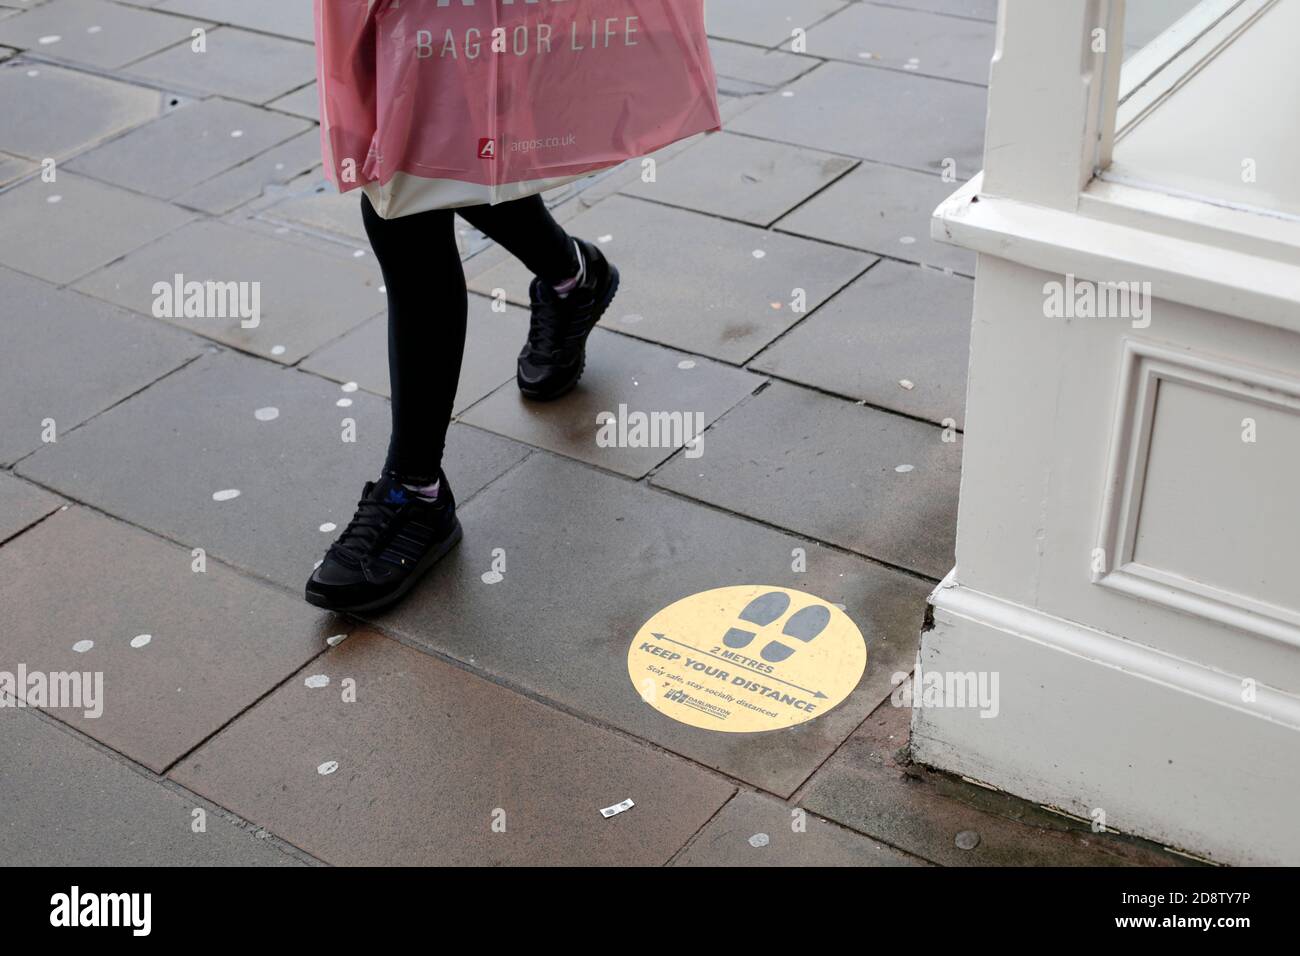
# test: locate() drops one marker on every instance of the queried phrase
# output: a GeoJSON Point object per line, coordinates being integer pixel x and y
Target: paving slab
{"type": "Point", "coordinates": [158, 459]}
{"type": "Point", "coordinates": [830, 469]}
{"type": "Point", "coordinates": [310, 204]}
{"type": "Point", "coordinates": [49, 227]}
{"type": "Point", "coordinates": [180, 652]}
{"type": "Point", "coordinates": [674, 396]}
{"type": "Point", "coordinates": [240, 184]}
{"type": "Point", "coordinates": [14, 168]}
{"type": "Point", "coordinates": [304, 102]}
{"type": "Point", "coordinates": [492, 346]}
{"type": "Point", "coordinates": [765, 22]}
{"type": "Point", "coordinates": [736, 177]}
{"type": "Point", "coordinates": [306, 297]}
{"type": "Point", "coordinates": [975, 9]}
{"type": "Point", "coordinates": [891, 117]}
{"type": "Point", "coordinates": [93, 356]}
{"type": "Point", "coordinates": [590, 557]}
{"type": "Point", "coordinates": [870, 786]}
{"type": "Point", "coordinates": [68, 804]}
{"type": "Point", "coordinates": [755, 830]}
{"type": "Point", "coordinates": [53, 112]}
{"type": "Point", "coordinates": [237, 64]}
{"type": "Point", "coordinates": [885, 210]}
{"type": "Point", "coordinates": [749, 64]}
{"type": "Point", "coordinates": [898, 338]}
{"type": "Point", "coordinates": [696, 283]}
{"type": "Point", "coordinates": [95, 32]}
{"type": "Point", "coordinates": [22, 504]}
{"type": "Point", "coordinates": [288, 18]}
{"type": "Point", "coordinates": [915, 41]}
{"type": "Point", "coordinates": [428, 757]}
{"type": "Point", "coordinates": [187, 146]}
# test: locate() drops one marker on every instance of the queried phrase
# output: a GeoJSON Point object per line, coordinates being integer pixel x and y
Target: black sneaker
{"type": "Point", "coordinates": [394, 538]}
{"type": "Point", "coordinates": [552, 361]}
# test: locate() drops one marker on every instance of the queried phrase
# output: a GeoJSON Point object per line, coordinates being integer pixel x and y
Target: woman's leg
{"type": "Point", "coordinates": [427, 307]}
{"type": "Point", "coordinates": [574, 286]}
{"type": "Point", "coordinates": [406, 521]}
{"type": "Point", "coordinates": [526, 228]}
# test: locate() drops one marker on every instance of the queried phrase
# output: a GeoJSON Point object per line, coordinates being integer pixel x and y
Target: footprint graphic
{"type": "Point", "coordinates": [804, 625]}
{"type": "Point", "coordinates": [763, 610]}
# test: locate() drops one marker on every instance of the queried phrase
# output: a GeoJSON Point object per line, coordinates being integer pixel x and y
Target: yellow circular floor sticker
{"type": "Point", "coordinates": [746, 659]}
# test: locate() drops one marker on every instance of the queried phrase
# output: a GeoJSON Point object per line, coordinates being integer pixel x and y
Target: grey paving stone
{"type": "Point", "coordinates": [737, 177]}
{"type": "Point", "coordinates": [307, 297]}
{"type": "Point", "coordinates": [187, 146]}
{"type": "Point", "coordinates": [237, 64]}
{"type": "Point", "coordinates": [975, 9]}
{"type": "Point", "coordinates": [276, 167]}
{"type": "Point", "coordinates": [888, 116]}
{"type": "Point", "coordinates": [885, 210]}
{"type": "Point", "coordinates": [827, 468]}
{"type": "Point", "coordinates": [924, 43]}
{"type": "Point", "coordinates": [625, 380]}
{"type": "Point", "coordinates": [95, 32]}
{"type": "Point", "coordinates": [312, 205]}
{"type": "Point", "coordinates": [67, 357]}
{"type": "Point", "coordinates": [52, 229]}
{"type": "Point", "coordinates": [868, 785]}
{"type": "Point", "coordinates": [590, 557]}
{"type": "Point", "coordinates": [897, 324]}
{"type": "Point", "coordinates": [68, 804]}
{"type": "Point", "coordinates": [53, 112]}
{"type": "Point", "coordinates": [492, 345]}
{"type": "Point", "coordinates": [158, 459]}
{"type": "Point", "coordinates": [22, 504]}
{"type": "Point", "coordinates": [429, 757]}
{"type": "Point", "coordinates": [181, 652]}
{"type": "Point", "coordinates": [693, 282]}
{"type": "Point", "coordinates": [755, 830]}
{"type": "Point", "coordinates": [304, 102]}
{"type": "Point", "coordinates": [14, 168]}
{"type": "Point", "coordinates": [749, 64]}
{"type": "Point", "coordinates": [288, 18]}
{"type": "Point", "coordinates": [765, 22]}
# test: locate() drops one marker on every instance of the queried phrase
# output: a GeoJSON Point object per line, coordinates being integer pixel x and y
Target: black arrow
{"type": "Point", "coordinates": [815, 693]}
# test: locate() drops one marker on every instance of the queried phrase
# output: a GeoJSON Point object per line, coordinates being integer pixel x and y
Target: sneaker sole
{"type": "Point", "coordinates": [550, 395]}
{"type": "Point", "coordinates": [427, 562]}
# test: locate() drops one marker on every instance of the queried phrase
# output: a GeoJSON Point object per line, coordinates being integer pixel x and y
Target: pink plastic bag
{"type": "Point", "coordinates": [432, 104]}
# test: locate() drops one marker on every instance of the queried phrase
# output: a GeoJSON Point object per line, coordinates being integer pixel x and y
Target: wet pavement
{"type": "Point", "coordinates": [167, 484]}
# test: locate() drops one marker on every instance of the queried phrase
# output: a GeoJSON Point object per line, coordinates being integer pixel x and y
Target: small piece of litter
{"type": "Point", "coordinates": [82, 646]}
{"type": "Point", "coordinates": [349, 386]}
{"type": "Point", "coordinates": [226, 495]}
{"type": "Point", "coordinates": [277, 350]}
{"type": "Point", "coordinates": [686, 364]}
{"type": "Point", "coordinates": [52, 200]}
{"type": "Point", "coordinates": [327, 768]}
{"type": "Point", "coordinates": [336, 640]}
{"type": "Point", "coordinates": [329, 526]}
{"type": "Point", "coordinates": [318, 680]}
{"type": "Point", "coordinates": [759, 840]}
{"type": "Point", "coordinates": [907, 240]}
{"type": "Point", "coordinates": [268, 414]}
{"type": "Point", "coordinates": [140, 640]}
{"type": "Point", "coordinates": [903, 469]}
{"type": "Point", "coordinates": [906, 383]}
{"type": "Point", "coordinates": [52, 38]}
{"type": "Point", "coordinates": [344, 403]}
{"type": "Point", "coordinates": [967, 840]}
{"type": "Point", "coordinates": [606, 238]}
{"type": "Point", "coordinates": [617, 808]}
{"type": "Point", "coordinates": [760, 254]}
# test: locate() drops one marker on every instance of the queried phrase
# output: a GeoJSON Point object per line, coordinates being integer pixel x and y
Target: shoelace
{"type": "Point", "coordinates": [552, 326]}
{"type": "Point", "coordinates": [359, 538]}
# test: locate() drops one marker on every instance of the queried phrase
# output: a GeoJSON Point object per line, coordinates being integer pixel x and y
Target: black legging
{"type": "Point", "coordinates": [428, 306]}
